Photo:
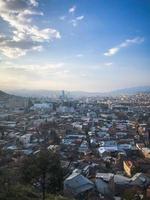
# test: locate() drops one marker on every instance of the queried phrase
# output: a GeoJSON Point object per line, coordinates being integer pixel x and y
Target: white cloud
{"type": "Point", "coordinates": [72, 9]}
{"type": "Point", "coordinates": [18, 15]}
{"type": "Point", "coordinates": [111, 51]}
{"type": "Point", "coordinates": [14, 49]}
{"type": "Point", "coordinates": [75, 21]}
{"type": "Point", "coordinates": [13, 52]}
{"type": "Point", "coordinates": [126, 43]}
{"type": "Point", "coordinates": [34, 2]}
{"type": "Point", "coordinates": [137, 40]}
{"type": "Point", "coordinates": [80, 18]}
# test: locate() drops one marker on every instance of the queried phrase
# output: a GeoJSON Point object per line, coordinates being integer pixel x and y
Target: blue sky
{"type": "Point", "coordinates": [97, 45]}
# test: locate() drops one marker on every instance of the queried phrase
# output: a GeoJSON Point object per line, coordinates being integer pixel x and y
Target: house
{"type": "Point", "coordinates": [103, 188]}
{"type": "Point", "coordinates": [146, 152]}
{"type": "Point", "coordinates": [128, 167]}
{"type": "Point", "coordinates": [83, 147]}
{"type": "Point", "coordinates": [26, 139]}
{"type": "Point", "coordinates": [140, 145]}
{"type": "Point", "coordinates": [76, 185]}
{"type": "Point", "coordinates": [42, 106]}
{"type": "Point", "coordinates": [119, 182]}
{"type": "Point", "coordinates": [103, 151]}
{"type": "Point", "coordinates": [141, 180]}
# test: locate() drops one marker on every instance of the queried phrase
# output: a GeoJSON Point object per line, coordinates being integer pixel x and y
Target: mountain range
{"type": "Point", "coordinates": [57, 93]}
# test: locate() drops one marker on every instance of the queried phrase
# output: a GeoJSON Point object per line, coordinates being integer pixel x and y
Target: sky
{"type": "Point", "coordinates": [75, 45]}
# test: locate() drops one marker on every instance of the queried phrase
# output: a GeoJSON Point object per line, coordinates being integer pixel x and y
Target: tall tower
{"type": "Point", "coordinates": [63, 94]}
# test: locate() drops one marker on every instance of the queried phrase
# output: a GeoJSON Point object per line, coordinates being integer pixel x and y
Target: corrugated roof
{"type": "Point", "coordinates": [78, 183]}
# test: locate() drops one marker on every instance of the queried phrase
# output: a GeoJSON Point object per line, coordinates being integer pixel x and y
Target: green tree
{"type": "Point", "coordinates": [52, 197]}
{"type": "Point", "coordinates": [44, 172]}
{"type": "Point", "coordinates": [19, 192]}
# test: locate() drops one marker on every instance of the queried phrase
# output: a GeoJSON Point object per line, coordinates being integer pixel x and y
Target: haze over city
{"type": "Point", "coordinates": [94, 46]}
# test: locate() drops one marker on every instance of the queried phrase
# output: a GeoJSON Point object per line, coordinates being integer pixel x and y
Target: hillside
{"type": "Point", "coordinates": [4, 96]}
{"type": "Point", "coordinates": [12, 101]}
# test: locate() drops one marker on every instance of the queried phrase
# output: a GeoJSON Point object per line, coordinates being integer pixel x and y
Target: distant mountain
{"type": "Point", "coordinates": [57, 93]}
{"type": "Point", "coordinates": [5, 97]}
{"type": "Point", "coordinates": [130, 91]}
{"type": "Point", "coordinates": [125, 91]}
{"type": "Point", "coordinates": [36, 93]}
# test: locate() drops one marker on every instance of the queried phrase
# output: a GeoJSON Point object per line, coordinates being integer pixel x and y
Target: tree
{"type": "Point", "coordinates": [52, 197]}
{"type": "Point", "coordinates": [121, 115]}
{"type": "Point", "coordinates": [44, 172]}
{"type": "Point", "coordinates": [131, 194]}
{"type": "Point", "coordinates": [11, 189]}
{"type": "Point", "coordinates": [2, 132]}
{"type": "Point", "coordinates": [19, 192]}
{"type": "Point", "coordinates": [55, 138]}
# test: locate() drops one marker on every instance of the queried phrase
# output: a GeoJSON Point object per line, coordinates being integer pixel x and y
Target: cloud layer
{"type": "Point", "coordinates": [25, 36]}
